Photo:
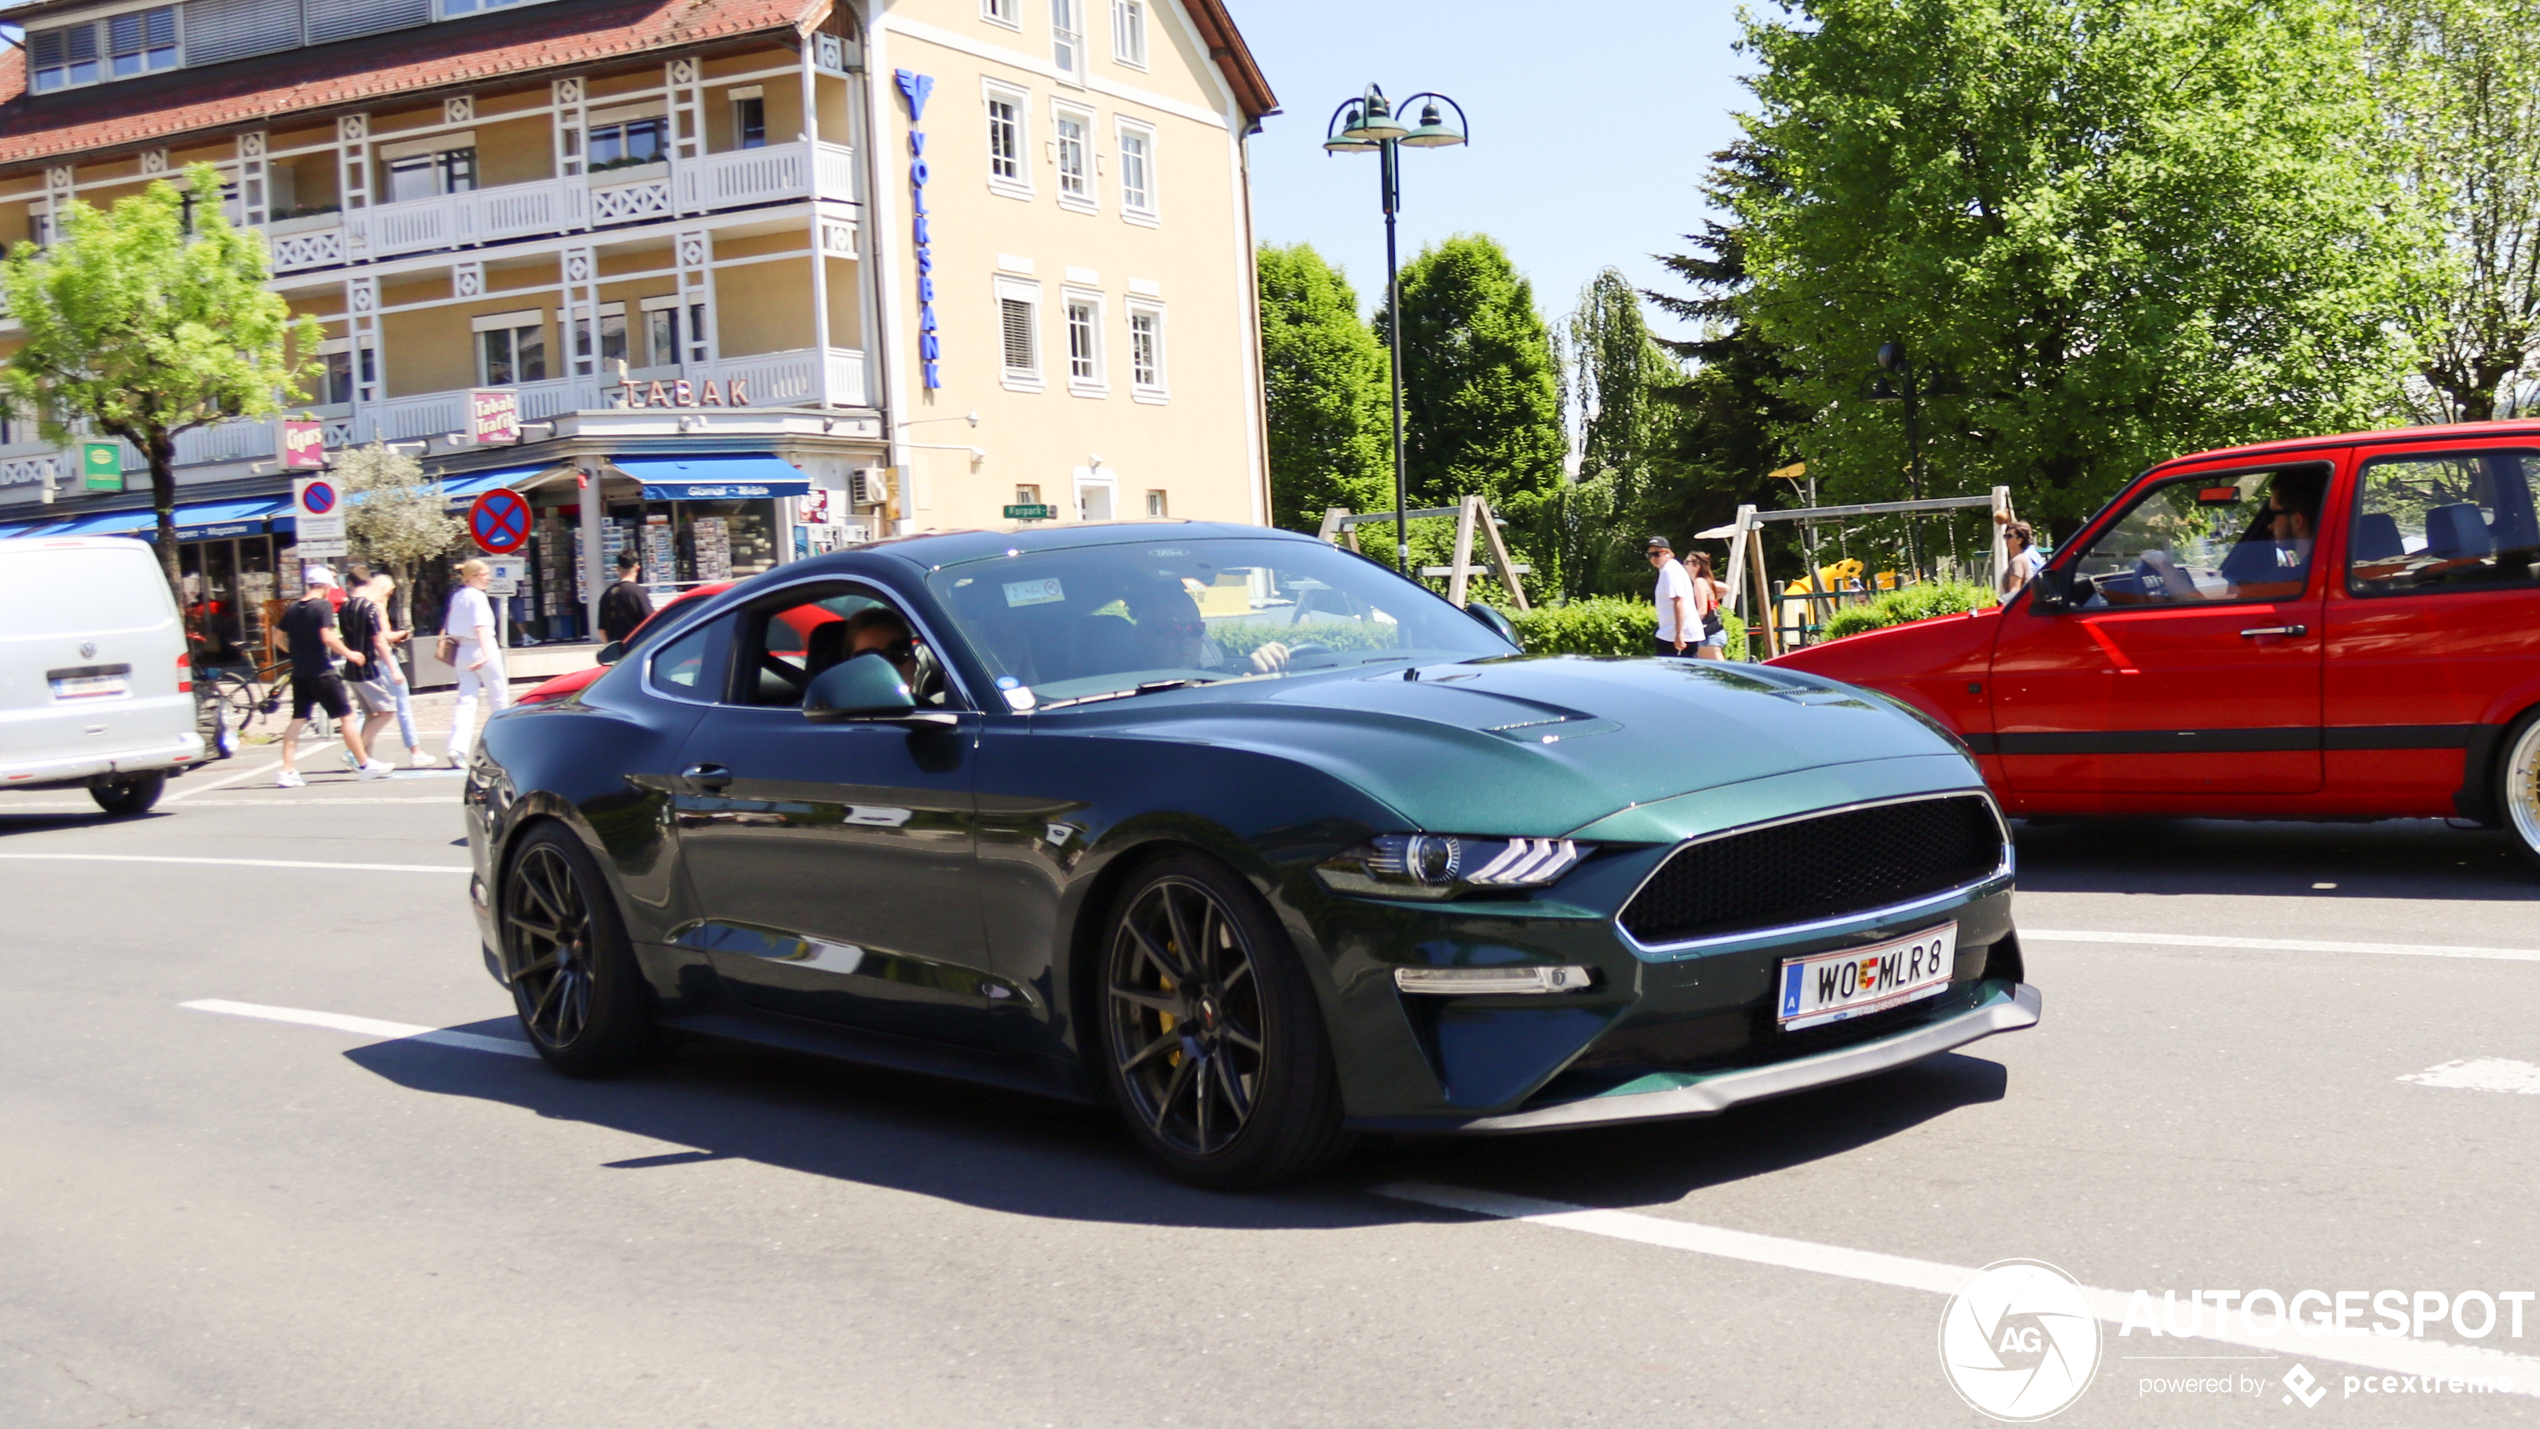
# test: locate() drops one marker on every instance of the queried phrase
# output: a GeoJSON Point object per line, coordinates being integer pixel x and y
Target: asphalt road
{"type": "Point", "coordinates": [215, 1219]}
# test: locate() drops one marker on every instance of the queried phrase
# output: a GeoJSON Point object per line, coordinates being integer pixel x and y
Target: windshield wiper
{"type": "Point", "coordinates": [1147, 687]}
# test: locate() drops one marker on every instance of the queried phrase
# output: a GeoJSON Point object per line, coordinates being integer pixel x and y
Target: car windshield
{"type": "Point", "coordinates": [1096, 622]}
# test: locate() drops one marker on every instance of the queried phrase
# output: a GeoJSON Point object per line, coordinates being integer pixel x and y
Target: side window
{"type": "Point", "coordinates": [2204, 539]}
{"type": "Point", "coordinates": [2444, 520]}
{"type": "Point", "coordinates": [686, 668]}
{"type": "Point", "coordinates": [788, 644]}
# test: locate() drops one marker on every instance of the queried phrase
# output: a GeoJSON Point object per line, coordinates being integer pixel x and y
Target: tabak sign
{"type": "Point", "coordinates": [684, 393]}
{"type": "Point", "coordinates": [303, 446]}
{"type": "Point", "coordinates": [493, 417]}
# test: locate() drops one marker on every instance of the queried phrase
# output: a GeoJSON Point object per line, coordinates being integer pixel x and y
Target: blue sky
{"type": "Point", "coordinates": [1592, 127]}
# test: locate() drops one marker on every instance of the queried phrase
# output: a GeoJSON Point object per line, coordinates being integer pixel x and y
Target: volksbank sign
{"type": "Point", "coordinates": [914, 88]}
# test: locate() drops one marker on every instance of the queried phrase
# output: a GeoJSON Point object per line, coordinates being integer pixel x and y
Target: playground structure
{"type": "Point", "coordinates": [1788, 619]}
{"type": "Point", "coordinates": [1472, 515]}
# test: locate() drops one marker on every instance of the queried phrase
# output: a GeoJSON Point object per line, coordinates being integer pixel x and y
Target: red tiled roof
{"type": "Point", "coordinates": [129, 113]}
{"type": "Point", "coordinates": [1226, 46]}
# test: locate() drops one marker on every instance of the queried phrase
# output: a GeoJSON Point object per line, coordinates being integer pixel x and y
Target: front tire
{"type": "Point", "coordinates": [2518, 792]}
{"type": "Point", "coordinates": [574, 981]}
{"type": "Point", "coordinates": [131, 794]}
{"type": "Point", "coordinates": [1211, 1038]}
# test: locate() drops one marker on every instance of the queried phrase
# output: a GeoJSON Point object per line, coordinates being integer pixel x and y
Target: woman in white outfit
{"type": "Point", "coordinates": [480, 656]}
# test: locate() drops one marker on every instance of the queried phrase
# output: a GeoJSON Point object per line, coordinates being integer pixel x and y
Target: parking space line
{"type": "Point", "coordinates": [235, 862]}
{"type": "Point", "coordinates": [228, 779]}
{"type": "Point", "coordinates": [2395, 1355]}
{"type": "Point", "coordinates": [2481, 1074]}
{"type": "Point", "coordinates": [2280, 945]}
{"type": "Point", "coordinates": [366, 1026]}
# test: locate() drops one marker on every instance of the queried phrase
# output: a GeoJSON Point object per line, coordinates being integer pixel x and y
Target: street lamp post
{"type": "Point", "coordinates": [1892, 358]}
{"type": "Point", "coordinates": [1369, 124]}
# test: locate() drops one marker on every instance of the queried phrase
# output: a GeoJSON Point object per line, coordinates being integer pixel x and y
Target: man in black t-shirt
{"type": "Point", "coordinates": [309, 633]}
{"type": "Point", "coordinates": [624, 605]}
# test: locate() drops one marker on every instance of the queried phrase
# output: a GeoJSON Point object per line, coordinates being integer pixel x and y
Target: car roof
{"type": "Point", "coordinates": [2392, 436]}
{"type": "Point", "coordinates": [938, 549]}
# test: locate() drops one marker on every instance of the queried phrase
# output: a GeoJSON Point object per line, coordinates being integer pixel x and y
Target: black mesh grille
{"type": "Point", "coordinates": [1823, 867]}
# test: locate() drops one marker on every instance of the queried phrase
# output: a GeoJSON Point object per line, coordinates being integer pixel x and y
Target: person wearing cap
{"type": "Point", "coordinates": [316, 645]}
{"type": "Point", "coordinates": [1679, 622]}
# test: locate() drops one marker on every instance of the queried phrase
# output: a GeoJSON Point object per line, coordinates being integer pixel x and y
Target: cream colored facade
{"type": "Point", "coordinates": [502, 227]}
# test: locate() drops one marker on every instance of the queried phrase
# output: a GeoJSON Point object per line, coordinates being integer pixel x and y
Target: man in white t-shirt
{"type": "Point", "coordinates": [1679, 623]}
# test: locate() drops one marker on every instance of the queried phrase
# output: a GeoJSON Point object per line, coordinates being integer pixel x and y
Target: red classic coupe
{"type": "Point", "coordinates": [2333, 627]}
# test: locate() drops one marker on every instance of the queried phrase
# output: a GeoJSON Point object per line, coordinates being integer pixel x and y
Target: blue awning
{"type": "Point", "coordinates": [714, 476]}
{"type": "Point", "coordinates": [203, 520]}
{"type": "Point", "coordinates": [477, 483]}
{"type": "Point", "coordinates": [43, 526]}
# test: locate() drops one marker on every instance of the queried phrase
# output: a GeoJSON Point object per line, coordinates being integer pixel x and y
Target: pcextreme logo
{"type": "Point", "coordinates": [2019, 1342]}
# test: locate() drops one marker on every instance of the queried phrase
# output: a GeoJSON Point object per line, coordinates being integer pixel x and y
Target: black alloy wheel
{"type": "Point", "coordinates": [129, 795]}
{"type": "Point", "coordinates": [573, 976]}
{"type": "Point", "coordinates": [1214, 1045]}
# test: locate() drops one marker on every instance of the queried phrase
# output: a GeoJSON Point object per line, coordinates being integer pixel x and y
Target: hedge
{"type": "Point", "coordinates": [1603, 625]}
{"type": "Point", "coordinates": [1898, 607]}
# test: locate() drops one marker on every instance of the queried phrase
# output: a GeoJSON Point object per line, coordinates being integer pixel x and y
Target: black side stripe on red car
{"type": "Point", "coordinates": [2273, 739]}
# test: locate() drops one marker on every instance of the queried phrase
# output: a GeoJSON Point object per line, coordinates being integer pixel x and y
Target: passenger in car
{"type": "Point", "coordinates": [1171, 635]}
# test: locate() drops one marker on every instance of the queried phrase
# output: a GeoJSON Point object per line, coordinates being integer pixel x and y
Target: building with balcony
{"type": "Point", "coordinates": [762, 276]}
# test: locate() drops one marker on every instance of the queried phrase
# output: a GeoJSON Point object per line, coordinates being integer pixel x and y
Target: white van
{"type": "Point", "coordinates": [95, 688]}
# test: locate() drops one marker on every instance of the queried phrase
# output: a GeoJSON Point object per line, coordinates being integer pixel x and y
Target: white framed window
{"type": "Point", "coordinates": [136, 42]}
{"type": "Point", "coordinates": [1027, 494]}
{"type": "Point", "coordinates": [1146, 352]}
{"type": "Point", "coordinates": [621, 140]}
{"type": "Point", "coordinates": [1129, 32]}
{"type": "Point", "coordinates": [674, 331]}
{"type": "Point", "coordinates": [428, 168]}
{"type": "Point", "coordinates": [1008, 132]}
{"type": "Point", "coordinates": [1137, 172]}
{"type": "Point", "coordinates": [1002, 12]}
{"type": "Point", "coordinates": [749, 117]}
{"type": "Point", "coordinates": [1096, 490]}
{"type": "Point", "coordinates": [1019, 334]}
{"type": "Point", "coordinates": [1157, 506]}
{"type": "Point", "coordinates": [511, 348]}
{"type": "Point", "coordinates": [471, 7]}
{"type": "Point", "coordinates": [1085, 374]}
{"type": "Point", "coordinates": [612, 341]}
{"type": "Point", "coordinates": [346, 373]}
{"type": "Point", "coordinates": [1067, 36]}
{"type": "Point", "coordinates": [1072, 150]}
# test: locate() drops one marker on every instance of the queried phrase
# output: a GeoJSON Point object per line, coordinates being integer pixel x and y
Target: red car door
{"type": "Point", "coordinates": [2186, 657]}
{"type": "Point", "coordinates": [2432, 637]}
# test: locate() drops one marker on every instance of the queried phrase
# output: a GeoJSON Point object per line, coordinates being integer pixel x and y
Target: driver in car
{"type": "Point", "coordinates": [1172, 636]}
{"type": "Point", "coordinates": [879, 630]}
{"type": "Point", "coordinates": [2269, 562]}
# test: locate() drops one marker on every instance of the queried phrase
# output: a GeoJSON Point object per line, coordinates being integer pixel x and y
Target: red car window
{"type": "Point", "coordinates": [2208, 539]}
{"type": "Point", "coordinates": [2439, 520]}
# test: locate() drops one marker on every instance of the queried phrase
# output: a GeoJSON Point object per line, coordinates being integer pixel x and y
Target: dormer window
{"type": "Point", "coordinates": [118, 47]}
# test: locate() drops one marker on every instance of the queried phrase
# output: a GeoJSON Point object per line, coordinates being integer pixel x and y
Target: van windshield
{"type": "Point", "coordinates": [81, 591]}
{"type": "Point", "coordinates": [1094, 622]}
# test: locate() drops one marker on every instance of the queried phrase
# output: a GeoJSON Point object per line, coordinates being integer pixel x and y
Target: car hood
{"type": "Point", "coordinates": [1542, 746]}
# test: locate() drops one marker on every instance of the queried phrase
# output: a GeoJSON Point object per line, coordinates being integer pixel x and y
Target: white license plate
{"type": "Point", "coordinates": [89, 687]}
{"type": "Point", "coordinates": [1829, 987]}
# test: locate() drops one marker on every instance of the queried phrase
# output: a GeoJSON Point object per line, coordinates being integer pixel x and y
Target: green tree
{"type": "Point", "coordinates": [147, 320]}
{"type": "Point", "coordinates": [1616, 386]}
{"type": "Point", "coordinates": [2459, 84]}
{"type": "Point", "coordinates": [2107, 231]}
{"type": "Point", "coordinates": [1323, 379]}
{"type": "Point", "coordinates": [1481, 409]}
{"type": "Point", "coordinates": [397, 518]}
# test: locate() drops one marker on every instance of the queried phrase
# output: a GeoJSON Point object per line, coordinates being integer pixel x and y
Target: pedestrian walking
{"type": "Point", "coordinates": [1707, 594]}
{"type": "Point", "coordinates": [470, 645]}
{"type": "Point", "coordinates": [2019, 539]}
{"type": "Point", "coordinates": [1679, 619]}
{"type": "Point", "coordinates": [626, 604]}
{"type": "Point", "coordinates": [382, 589]}
{"type": "Point", "coordinates": [310, 634]}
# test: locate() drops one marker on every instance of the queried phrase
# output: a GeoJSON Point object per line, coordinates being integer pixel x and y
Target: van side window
{"type": "Point", "coordinates": [2441, 520]}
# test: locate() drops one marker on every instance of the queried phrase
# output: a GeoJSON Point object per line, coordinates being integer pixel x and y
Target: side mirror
{"type": "Point", "coordinates": [2051, 592]}
{"type": "Point", "coordinates": [1498, 622]}
{"type": "Point", "coordinates": [612, 652]}
{"type": "Point", "coordinates": [867, 687]}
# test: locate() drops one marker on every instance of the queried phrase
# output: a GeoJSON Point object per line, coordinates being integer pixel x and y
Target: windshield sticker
{"type": "Point", "coordinates": [1040, 592]}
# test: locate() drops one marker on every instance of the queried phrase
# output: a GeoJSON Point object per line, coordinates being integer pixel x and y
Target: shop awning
{"type": "Point", "coordinates": [202, 520]}
{"type": "Point", "coordinates": [714, 476]}
{"type": "Point", "coordinates": [44, 525]}
{"type": "Point", "coordinates": [477, 483]}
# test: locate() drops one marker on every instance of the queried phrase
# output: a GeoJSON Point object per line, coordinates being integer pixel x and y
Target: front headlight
{"type": "Point", "coordinates": [1443, 865]}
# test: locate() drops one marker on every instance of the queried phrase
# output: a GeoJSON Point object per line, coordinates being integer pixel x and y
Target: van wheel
{"type": "Point", "coordinates": [2519, 773]}
{"type": "Point", "coordinates": [132, 794]}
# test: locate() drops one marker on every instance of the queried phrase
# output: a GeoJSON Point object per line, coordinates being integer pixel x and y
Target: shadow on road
{"type": "Point", "coordinates": [1007, 1152]}
{"type": "Point", "coordinates": [2396, 858]}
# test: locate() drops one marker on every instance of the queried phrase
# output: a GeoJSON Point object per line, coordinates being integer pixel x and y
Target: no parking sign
{"type": "Point", "coordinates": [317, 512]}
{"type": "Point", "coordinates": [499, 520]}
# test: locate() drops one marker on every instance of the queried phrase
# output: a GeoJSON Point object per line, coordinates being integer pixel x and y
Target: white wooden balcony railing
{"type": "Point", "coordinates": [739, 178]}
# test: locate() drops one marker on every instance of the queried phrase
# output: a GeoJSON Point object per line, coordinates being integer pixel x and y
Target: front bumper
{"type": "Point", "coordinates": [1708, 1095]}
{"type": "Point", "coordinates": [176, 754]}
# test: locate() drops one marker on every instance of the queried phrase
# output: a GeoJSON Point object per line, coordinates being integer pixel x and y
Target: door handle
{"type": "Point", "coordinates": [2296, 631]}
{"type": "Point", "coordinates": [706, 776]}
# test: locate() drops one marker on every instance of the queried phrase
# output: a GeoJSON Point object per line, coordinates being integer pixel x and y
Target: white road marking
{"type": "Point", "coordinates": [244, 774]}
{"type": "Point", "coordinates": [2281, 945]}
{"type": "Point", "coordinates": [237, 862]}
{"type": "Point", "coordinates": [2483, 1074]}
{"type": "Point", "coordinates": [2397, 1356]}
{"type": "Point", "coordinates": [367, 1026]}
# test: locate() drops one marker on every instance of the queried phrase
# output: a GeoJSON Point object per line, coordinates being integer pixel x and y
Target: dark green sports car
{"type": "Point", "coordinates": [1242, 833]}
